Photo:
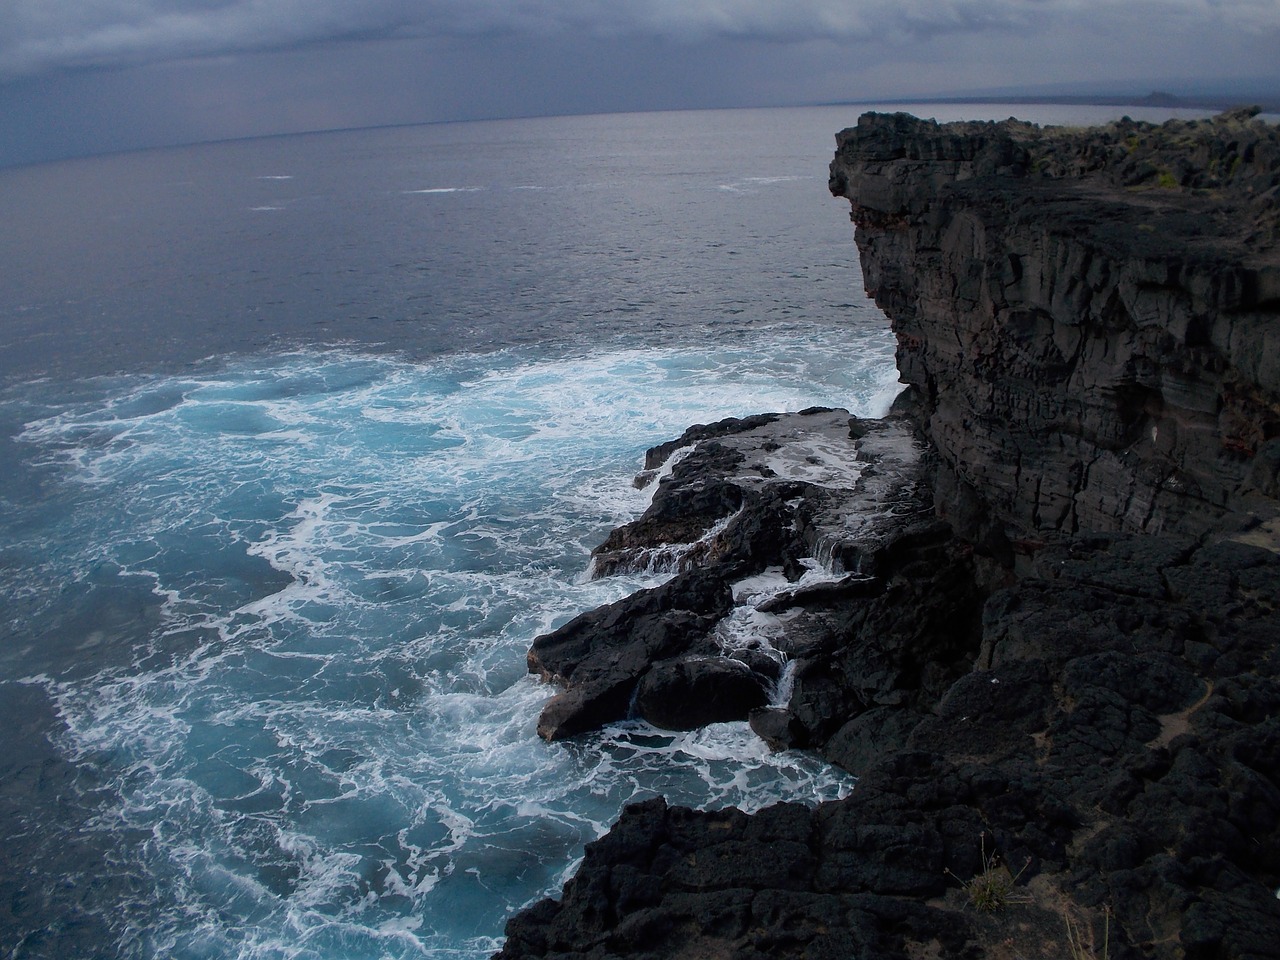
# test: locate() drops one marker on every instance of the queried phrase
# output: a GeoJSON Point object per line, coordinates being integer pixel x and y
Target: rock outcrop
{"type": "Point", "coordinates": [1090, 320]}
{"type": "Point", "coordinates": [1114, 740]}
{"type": "Point", "coordinates": [1053, 660]}
{"type": "Point", "coordinates": [743, 498]}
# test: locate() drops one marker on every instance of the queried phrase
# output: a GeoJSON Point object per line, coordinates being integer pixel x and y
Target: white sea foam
{"type": "Point", "coordinates": [750, 184]}
{"type": "Point", "coordinates": [447, 190]}
{"type": "Point", "coordinates": [667, 558]}
{"type": "Point", "coordinates": [328, 732]}
{"type": "Point", "coordinates": [748, 628]}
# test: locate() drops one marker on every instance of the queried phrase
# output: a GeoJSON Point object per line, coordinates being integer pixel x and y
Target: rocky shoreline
{"type": "Point", "coordinates": [1044, 631]}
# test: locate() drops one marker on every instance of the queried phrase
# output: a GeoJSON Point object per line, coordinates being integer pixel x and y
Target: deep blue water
{"type": "Point", "coordinates": [304, 440]}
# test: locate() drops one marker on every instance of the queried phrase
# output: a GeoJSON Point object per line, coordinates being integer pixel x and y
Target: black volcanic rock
{"type": "Point", "coordinates": [690, 693]}
{"type": "Point", "coordinates": [765, 492]}
{"type": "Point", "coordinates": [1090, 320]}
{"type": "Point", "coordinates": [1054, 653]}
{"type": "Point", "coordinates": [601, 655]}
{"type": "Point", "coordinates": [1117, 741]}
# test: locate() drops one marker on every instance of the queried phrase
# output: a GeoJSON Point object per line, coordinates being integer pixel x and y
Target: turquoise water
{"type": "Point", "coordinates": [315, 716]}
{"type": "Point", "coordinates": [302, 442]}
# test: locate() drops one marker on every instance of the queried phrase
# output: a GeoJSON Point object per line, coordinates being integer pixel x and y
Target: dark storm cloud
{"type": "Point", "coordinates": [38, 36]}
{"type": "Point", "coordinates": [85, 76]}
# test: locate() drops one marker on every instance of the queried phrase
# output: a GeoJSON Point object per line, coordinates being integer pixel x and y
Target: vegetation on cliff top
{"type": "Point", "coordinates": [1231, 156]}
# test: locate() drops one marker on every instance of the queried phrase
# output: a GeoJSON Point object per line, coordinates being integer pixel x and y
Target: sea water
{"type": "Point", "coordinates": [305, 440]}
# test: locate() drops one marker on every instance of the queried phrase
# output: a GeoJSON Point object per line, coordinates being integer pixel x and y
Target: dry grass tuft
{"type": "Point", "coordinates": [1077, 949]}
{"type": "Point", "coordinates": [993, 888]}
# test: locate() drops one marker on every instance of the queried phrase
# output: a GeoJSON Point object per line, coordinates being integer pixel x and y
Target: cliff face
{"type": "Point", "coordinates": [1090, 325]}
{"type": "Point", "coordinates": [1089, 320]}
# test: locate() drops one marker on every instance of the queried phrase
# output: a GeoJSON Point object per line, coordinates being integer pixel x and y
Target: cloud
{"type": "Point", "coordinates": [39, 36]}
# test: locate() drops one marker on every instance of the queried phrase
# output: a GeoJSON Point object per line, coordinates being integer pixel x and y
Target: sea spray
{"type": "Point", "coordinates": [323, 728]}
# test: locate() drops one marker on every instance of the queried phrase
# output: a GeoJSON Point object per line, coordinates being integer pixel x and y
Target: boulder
{"type": "Point", "coordinates": [690, 693]}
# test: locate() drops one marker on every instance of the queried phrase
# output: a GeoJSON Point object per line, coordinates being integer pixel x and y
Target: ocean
{"type": "Point", "coordinates": [304, 439]}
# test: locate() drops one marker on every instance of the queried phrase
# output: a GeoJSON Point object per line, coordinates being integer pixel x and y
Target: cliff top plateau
{"type": "Point", "coordinates": [1218, 179]}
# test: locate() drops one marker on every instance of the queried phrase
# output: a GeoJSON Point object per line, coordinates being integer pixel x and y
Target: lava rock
{"type": "Point", "coordinates": [1057, 664]}
{"type": "Point", "coordinates": [687, 694]}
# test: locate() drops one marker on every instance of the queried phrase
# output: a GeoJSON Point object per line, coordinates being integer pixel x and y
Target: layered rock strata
{"type": "Point", "coordinates": [1090, 320]}
{"type": "Point", "coordinates": [1053, 665]}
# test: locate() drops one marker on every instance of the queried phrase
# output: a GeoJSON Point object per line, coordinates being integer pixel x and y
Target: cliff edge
{"type": "Point", "coordinates": [1052, 659]}
{"type": "Point", "coordinates": [1089, 320]}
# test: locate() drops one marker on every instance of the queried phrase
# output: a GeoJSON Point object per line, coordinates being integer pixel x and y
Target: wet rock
{"type": "Point", "coordinates": [777, 727]}
{"type": "Point", "coordinates": [765, 492]}
{"type": "Point", "coordinates": [687, 694]}
{"type": "Point", "coordinates": [601, 655]}
{"type": "Point", "coordinates": [1056, 654]}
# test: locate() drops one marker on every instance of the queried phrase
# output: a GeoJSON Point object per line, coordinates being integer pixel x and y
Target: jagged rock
{"type": "Point", "coordinates": [655, 457]}
{"type": "Point", "coordinates": [898, 640]}
{"type": "Point", "coordinates": [1092, 347]}
{"type": "Point", "coordinates": [601, 655]}
{"type": "Point", "coordinates": [1076, 677]}
{"type": "Point", "coordinates": [762, 492]}
{"type": "Point", "coordinates": [1117, 744]}
{"type": "Point", "coordinates": [767, 490]}
{"type": "Point", "coordinates": [691, 693]}
{"type": "Point", "coordinates": [669, 882]}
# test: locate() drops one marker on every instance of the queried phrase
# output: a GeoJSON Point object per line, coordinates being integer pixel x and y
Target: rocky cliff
{"type": "Point", "coordinates": [1051, 657]}
{"type": "Point", "coordinates": [1089, 319]}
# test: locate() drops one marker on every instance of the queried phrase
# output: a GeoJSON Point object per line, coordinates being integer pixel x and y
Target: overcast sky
{"type": "Point", "coordinates": [84, 76]}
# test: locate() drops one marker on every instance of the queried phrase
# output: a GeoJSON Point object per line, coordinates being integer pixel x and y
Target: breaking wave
{"type": "Point", "coordinates": [318, 720]}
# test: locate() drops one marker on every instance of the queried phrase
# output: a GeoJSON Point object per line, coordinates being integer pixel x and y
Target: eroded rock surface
{"type": "Point", "coordinates": [1112, 735]}
{"type": "Point", "coordinates": [1054, 659]}
{"type": "Point", "coordinates": [745, 497]}
{"type": "Point", "coordinates": [1090, 319]}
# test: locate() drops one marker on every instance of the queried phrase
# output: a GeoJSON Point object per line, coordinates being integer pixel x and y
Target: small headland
{"type": "Point", "coordinates": [1034, 610]}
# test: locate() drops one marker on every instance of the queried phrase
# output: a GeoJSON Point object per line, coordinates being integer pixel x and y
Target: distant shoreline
{"type": "Point", "coordinates": [1270, 103]}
